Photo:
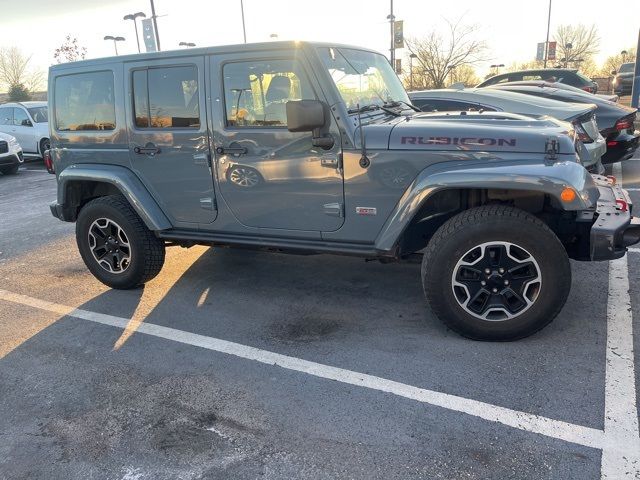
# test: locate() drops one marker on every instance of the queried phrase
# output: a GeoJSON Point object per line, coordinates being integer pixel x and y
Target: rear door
{"type": "Point", "coordinates": [268, 176]}
{"type": "Point", "coordinates": [24, 131]}
{"type": "Point", "coordinates": [168, 141]}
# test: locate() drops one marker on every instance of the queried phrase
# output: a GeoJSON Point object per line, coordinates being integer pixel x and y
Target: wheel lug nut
{"type": "Point", "coordinates": [501, 270]}
{"type": "Point", "coordinates": [506, 282]}
{"type": "Point", "coordinates": [494, 290]}
{"type": "Point", "coordinates": [487, 271]}
{"type": "Point", "coordinates": [483, 283]}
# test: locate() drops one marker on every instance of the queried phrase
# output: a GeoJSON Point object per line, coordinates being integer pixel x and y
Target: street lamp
{"type": "Point", "coordinates": [411, 57]}
{"type": "Point", "coordinates": [624, 55]}
{"type": "Point", "coordinates": [133, 16]}
{"type": "Point", "coordinates": [244, 29]}
{"type": "Point", "coordinates": [497, 66]}
{"type": "Point", "coordinates": [115, 40]}
{"type": "Point", "coordinates": [274, 36]}
{"type": "Point", "coordinates": [567, 57]}
{"type": "Point", "coordinates": [451, 71]}
{"type": "Point", "coordinates": [186, 44]}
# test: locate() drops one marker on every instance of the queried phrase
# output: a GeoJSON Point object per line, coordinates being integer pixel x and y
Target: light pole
{"type": "Point", "coordinates": [546, 44]}
{"type": "Point", "coordinates": [155, 24]}
{"type": "Point", "coordinates": [115, 40]}
{"type": "Point", "coordinates": [624, 56]}
{"type": "Point", "coordinates": [411, 57]}
{"type": "Point", "coordinates": [392, 50]}
{"type": "Point", "coordinates": [133, 16]}
{"type": "Point", "coordinates": [497, 67]}
{"type": "Point", "coordinates": [186, 44]}
{"type": "Point", "coordinates": [451, 72]}
{"type": "Point", "coordinates": [244, 30]}
{"type": "Point", "coordinates": [273, 36]}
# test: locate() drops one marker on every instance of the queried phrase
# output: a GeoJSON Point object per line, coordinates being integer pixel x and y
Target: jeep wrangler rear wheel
{"type": "Point", "coordinates": [116, 245]}
{"type": "Point", "coordinates": [495, 273]}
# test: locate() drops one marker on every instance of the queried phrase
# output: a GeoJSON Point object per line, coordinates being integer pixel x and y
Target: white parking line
{"type": "Point", "coordinates": [578, 434]}
{"type": "Point", "coordinates": [621, 452]}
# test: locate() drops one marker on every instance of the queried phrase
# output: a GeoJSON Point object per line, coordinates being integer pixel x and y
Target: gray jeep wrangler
{"type": "Point", "coordinates": [314, 148]}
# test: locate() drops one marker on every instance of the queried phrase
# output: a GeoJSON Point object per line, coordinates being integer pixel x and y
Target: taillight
{"type": "Point", "coordinates": [583, 136]}
{"type": "Point", "coordinates": [587, 89]}
{"type": "Point", "coordinates": [48, 162]}
{"type": "Point", "coordinates": [625, 122]}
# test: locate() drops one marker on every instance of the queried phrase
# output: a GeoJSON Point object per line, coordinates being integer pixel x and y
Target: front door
{"type": "Point", "coordinates": [168, 141]}
{"type": "Point", "coordinates": [270, 177]}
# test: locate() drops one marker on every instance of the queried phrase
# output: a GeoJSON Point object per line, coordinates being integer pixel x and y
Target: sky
{"type": "Point", "coordinates": [511, 28]}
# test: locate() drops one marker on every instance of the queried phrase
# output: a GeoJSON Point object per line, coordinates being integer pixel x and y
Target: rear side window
{"type": "Point", "coordinates": [166, 97]}
{"type": "Point", "coordinates": [85, 101]}
{"type": "Point", "coordinates": [6, 116]}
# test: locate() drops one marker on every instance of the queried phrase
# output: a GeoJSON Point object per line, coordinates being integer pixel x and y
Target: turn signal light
{"type": "Point", "coordinates": [568, 195]}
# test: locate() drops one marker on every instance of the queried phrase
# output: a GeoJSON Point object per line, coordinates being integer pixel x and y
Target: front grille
{"type": "Point", "coordinates": [4, 146]}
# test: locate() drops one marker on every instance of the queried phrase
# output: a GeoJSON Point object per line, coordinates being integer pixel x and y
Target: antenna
{"type": "Point", "coordinates": [364, 160]}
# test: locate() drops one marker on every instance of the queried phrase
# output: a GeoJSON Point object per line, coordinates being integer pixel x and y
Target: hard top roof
{"type": "Point", "coordinates": [221, 49]}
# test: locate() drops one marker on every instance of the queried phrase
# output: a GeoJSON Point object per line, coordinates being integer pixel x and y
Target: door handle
{"type": "Point", "coordinates": [149, 149]}
{"type": "Point", "coordinates": [236, 151]}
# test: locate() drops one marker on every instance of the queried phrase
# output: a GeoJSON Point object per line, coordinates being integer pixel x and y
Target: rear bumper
{"type": "Point", "coordinates": [614, 228]}
{"type": "Point", "coordinates": [624, 147]}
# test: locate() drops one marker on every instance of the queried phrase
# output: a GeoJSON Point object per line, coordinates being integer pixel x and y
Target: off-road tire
{"type": "Point", "coordinates": [495, 223]}
{"type": "Point", "coordinates": [10, 170]}
{"type": "Point", "coordinates": [147, 250]}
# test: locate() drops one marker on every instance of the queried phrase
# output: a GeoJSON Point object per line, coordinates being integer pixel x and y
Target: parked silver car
{"type": "Point", "coordinates": [28, 122]}
{"type": "Point", "coordinates": [490, 99]}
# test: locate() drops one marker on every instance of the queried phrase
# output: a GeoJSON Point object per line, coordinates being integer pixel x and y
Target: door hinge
{"type": "Point", "coordinates": [334, 209]}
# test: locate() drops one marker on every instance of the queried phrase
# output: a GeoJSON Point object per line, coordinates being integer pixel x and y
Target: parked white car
{"type": "Point", "coordinates": [28, 122]}
{"type": "Point", "coordinates": [581, 115]}
{"type": "Point", "coordinates": [10, 154]}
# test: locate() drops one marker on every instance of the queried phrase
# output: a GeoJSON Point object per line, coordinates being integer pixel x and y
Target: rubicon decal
{"type": "Point", "coordinates": [464, 141]}
{"type": "Point", "coordinates": [366, 210]}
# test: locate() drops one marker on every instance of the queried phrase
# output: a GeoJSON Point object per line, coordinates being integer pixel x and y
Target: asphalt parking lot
{"type": "Point", "coordinates": [234, 364]}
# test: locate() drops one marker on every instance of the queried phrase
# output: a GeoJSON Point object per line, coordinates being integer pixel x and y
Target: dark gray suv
{"type": "Point", "coordinates": [315, 148]}
{"type": "Point", "coordinates": [561, 75]}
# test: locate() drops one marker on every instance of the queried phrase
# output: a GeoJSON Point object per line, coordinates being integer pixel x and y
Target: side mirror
{"type": "Point", "coordinates": [613, 72]}
{"type": "Point", "coordinates": [310, 116]}
{"type": "Point", "coordinates": [26, 123]}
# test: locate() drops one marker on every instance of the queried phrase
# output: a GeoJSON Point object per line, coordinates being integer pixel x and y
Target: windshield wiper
{"type": "Point", "coordinates": [372, 107]}
{"type": "Point", "coordinates": [397, 103]}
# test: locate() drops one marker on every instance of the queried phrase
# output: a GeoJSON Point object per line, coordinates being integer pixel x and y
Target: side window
{"type": "Point", "coordinates": [256, 92]}
{"type": "Point", "coordinates": [6, 116]}
{"type": "Point", "coordinates": [85, 101]}
{"type": "Point", "coordinates": [166, 97]}
{"type": "Point", "coordinates": [531, 78]}
{"type": "Point", "coordinates": [20, 118]}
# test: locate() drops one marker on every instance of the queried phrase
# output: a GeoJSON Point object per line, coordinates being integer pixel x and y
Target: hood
{"type": "Point", "coordinates": [486, 132]}
{"type": "Point", "coordinates": [6, 137]}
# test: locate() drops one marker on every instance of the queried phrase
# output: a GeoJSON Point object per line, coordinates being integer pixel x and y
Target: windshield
{"type": "Point", "coordinates": [363, 78]}
{"type": "Point", "coordinates": [39, 114]}
{"type": "Point", "coordinates": [626, 67]}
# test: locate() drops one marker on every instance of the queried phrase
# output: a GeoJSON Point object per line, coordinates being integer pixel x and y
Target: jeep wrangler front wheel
{"type": "Point", "coordinates": [115, 244]}
{"type": "Point", "coordinates": [495, 273]}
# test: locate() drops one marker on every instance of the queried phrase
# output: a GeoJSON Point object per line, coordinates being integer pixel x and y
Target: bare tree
{"type": "Point", "coordinates": [15, 70]}
{"type": "Point", "coordinates": [69, 51]}
{"type": "Point", "coordinates": [576, 42]}
{"type": "Point", "coordinates": [614, 61]}
{"type": "Point", "coordinates": [438, 56]}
